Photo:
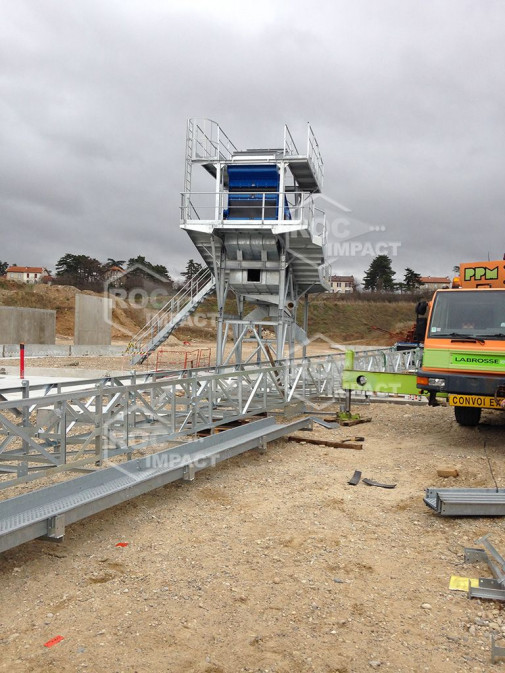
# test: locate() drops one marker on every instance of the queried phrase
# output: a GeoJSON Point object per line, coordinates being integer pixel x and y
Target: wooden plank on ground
{"type": "Point", "coordinates": [325, 442]}
{"type": "Point", "coordinates": [354, 421]}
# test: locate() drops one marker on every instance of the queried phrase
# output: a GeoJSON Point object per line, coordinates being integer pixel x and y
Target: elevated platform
{"type": "Point", "coordinates": [258, 231]}
{"type": "Point", "coordinates": [262, 205]}
{"type": "Point", "coordinates": [209, 146]}
{"type": "Point", "coordinates": [308, 176]}
{"type": "Point", "coordinates": [307, 260]}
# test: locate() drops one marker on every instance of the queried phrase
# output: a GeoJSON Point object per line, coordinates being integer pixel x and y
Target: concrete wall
{"type": "Point", "coordinates": [60, 350]}
{"type": "Point", "coordinates": [27, 325]}
{"type": "Point", "coordinates": [93, 318]}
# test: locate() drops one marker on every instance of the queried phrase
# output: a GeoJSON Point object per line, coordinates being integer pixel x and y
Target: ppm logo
{"type": "Point", "coordinates": [479, 273]}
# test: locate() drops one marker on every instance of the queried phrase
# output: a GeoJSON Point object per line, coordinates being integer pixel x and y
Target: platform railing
{"type": "Point", "coordinates": [289, 208]}
{"type": "Point", "coordinates": [209, 142]}
{"type": "Point", "coordinates": [317, 222]}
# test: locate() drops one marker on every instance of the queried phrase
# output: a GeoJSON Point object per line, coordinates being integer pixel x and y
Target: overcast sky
{"type": "Point", "coordinates": [406, 99]}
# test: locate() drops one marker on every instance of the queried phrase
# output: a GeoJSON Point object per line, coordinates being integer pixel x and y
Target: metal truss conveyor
{"type": "Point", "coordinates": [76, 425]}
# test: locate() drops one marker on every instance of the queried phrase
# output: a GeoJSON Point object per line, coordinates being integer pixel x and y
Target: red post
{"type": "Point", "coordinates": [21, 361]}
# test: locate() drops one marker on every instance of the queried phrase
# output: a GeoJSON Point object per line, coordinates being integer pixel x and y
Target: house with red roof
{"type": "Point", "coordinates": [26, 274]}
{"type": "Point", "coordinates": [435, 282]}
{"type": "Point", "coordinates": [343, 284]}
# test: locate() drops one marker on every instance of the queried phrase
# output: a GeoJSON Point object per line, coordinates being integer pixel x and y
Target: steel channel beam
{"type": "Point", "coordinates": [488, 589]}
{"type": "Point", "coordinates": [497, 652]}
{"type": "Point", "coordinates": [492, 589]}
{"type": "Point", "coordinates": [495, 560]}
{"type": "Point", "coordinates": [470, 508]}
{"type": "Point", "coordinates": [466, 501]}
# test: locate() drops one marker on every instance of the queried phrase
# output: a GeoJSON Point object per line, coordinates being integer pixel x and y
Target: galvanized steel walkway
{"type": "Point", "coordinates": [46, 512]}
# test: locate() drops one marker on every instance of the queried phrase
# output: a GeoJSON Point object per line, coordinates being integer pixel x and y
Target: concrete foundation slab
{"type": "Point", "coordinates": [61, 350]}
{"type": "Point", "coordinates": [34, 350]}
{"type": "Point", "coordinates": [38, 375]}
{"type": "Point", "coordinates": [96, 351]}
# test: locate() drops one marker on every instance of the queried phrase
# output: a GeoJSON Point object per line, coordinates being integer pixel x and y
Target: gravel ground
{"type": "Point", "coordinates": [273, 563]}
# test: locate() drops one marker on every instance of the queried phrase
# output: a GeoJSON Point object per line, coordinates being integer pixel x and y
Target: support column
{"type": "Point", "coordinates": [282, 179]}
{"type": "Point", "coordinates": [219, 272]}
{"type": "Point", "coordinates": [281, 320]}
{"type": "Point", "coordinates": [240, 309]}
{"type": "Point", "coordinates": [305, 322]}
{"type": "Point", "coordinates": [291, 332]}
{"type": "Point", "coordinates": [218, 213]}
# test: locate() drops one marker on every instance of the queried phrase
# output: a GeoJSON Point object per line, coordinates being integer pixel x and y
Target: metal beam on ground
{"type": "Point", "coordinates": [466, 501]}
{"type": "Point", "coordinates": [46, 512]}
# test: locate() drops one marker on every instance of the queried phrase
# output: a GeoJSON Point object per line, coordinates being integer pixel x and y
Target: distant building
{"type": "Point", "coordinates": [26, 274]}
{"type": "Point", "coordinates": [113, 273]}
{"type": "Point", "coordinates": [343, 284]}
{"type": "Point", "coordinates": [435, 282]}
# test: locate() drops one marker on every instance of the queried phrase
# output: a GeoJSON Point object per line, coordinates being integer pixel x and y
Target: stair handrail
{"type": "Point", "coordinates": [174, 305]}
{"type": "Point", "coordinates": [290, 148]}
{"type": "Point", "coordinates": [314, 156]}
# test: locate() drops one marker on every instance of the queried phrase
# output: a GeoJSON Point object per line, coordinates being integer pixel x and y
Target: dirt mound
{"type": "Point", "coordinates": [56, 291]}
{"type": "Point", "coordinates": [127, 320]}
{"type": "Point", "coordinates": [173, 341]}
{"type": "Point", "coordinates": [366, 322]}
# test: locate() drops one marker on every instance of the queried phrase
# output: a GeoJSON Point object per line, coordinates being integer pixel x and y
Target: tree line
{"type": "Point", "coordinates": [89, 273]}
{"type": "Point", "coordinates": [380, 277]}
{"type": "Point", "coordinates": [86, 272]}
{"type": "Point", "coordinates": [3, 267]}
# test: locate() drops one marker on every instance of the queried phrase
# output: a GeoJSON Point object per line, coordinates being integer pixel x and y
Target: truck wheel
{"type": "Point", "coordinates": [469, 416]}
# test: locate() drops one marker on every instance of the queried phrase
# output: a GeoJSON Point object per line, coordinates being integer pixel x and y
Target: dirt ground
{"type": "Point", "coordinates": [273, 563]}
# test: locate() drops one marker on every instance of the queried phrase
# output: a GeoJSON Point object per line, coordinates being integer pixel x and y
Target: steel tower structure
{"type": "Point", "coordinates": [259, 233]}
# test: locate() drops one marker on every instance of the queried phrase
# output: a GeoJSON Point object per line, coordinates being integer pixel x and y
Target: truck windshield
{"type": "Point", "coordinates": [468, 314]}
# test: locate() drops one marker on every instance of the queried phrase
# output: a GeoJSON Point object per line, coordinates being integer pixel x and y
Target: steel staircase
{"type": "Point", "coordinates": [170, 316]}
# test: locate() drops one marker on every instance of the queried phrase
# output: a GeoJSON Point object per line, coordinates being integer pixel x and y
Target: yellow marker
{"type": "Point", "coordinates": [462, 583]}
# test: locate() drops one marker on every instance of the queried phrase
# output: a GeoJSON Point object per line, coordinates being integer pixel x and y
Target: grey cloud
{"type": "Point", "coordinates": [406, 99]}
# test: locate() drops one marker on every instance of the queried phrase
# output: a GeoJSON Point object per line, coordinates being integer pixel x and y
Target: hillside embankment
{"type": "Point", "coordinates": [363, 319]}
